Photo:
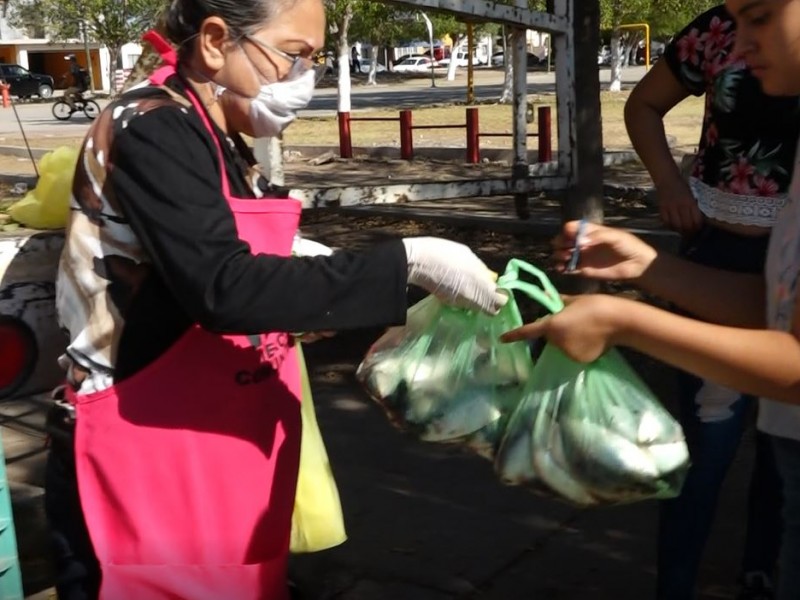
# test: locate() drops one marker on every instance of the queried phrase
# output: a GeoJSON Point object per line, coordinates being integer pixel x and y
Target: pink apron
{"type": "Point", "coordinates": [187, 470]}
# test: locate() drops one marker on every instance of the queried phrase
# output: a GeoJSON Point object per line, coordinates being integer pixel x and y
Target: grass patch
{"type": "Point", "coordinates": [682, 124]}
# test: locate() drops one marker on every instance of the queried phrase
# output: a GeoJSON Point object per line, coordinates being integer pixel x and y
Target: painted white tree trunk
{"type": "Point", "coordinates": [451, 68]}
{"type": "Point", "coordinates": [507, 95]}
{"type": "Point", "coordinates": [344, 84]}
{"type": "Point", "coordinates": [616, 63]}
{"type": "Point", "coordinates": [269, 154]}
{"type": "Point", "coordinates": [373, 67]}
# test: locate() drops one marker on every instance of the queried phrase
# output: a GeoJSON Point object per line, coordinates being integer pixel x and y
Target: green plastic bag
{"type": "Point", "coordinates": [445, 377]}
{"type": "Point", "coordinates": [592, 433]}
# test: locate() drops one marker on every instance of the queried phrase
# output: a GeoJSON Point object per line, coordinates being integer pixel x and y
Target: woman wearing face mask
{"type": "Point", "coordinates": [751, 341]}
{"type": "Point", "coordinates": [174, 472]}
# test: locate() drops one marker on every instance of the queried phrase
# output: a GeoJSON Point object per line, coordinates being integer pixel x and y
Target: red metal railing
{"type": "Point", "coordinates": [472, 125]}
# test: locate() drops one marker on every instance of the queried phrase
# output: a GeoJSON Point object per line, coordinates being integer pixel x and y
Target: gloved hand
{"type": "Point", "coordinates": [451, 272]}
{"type": "Point", "coordinates": [305, 247]}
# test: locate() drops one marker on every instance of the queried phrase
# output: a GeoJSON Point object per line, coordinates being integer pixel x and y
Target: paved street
{"type": "Point", "coordinates": [39, 122]}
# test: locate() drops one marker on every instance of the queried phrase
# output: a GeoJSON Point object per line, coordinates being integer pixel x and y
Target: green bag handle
{"type": "Point", "coordinates": [545, 293]}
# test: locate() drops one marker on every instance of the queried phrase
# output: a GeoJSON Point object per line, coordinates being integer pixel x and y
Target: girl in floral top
{"type": "Point", "coordinates": [724, 212]}
{"type": "Point", "coordinates": [751, 341]}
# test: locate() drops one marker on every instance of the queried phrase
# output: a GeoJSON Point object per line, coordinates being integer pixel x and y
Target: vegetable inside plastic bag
{"type": "Point", "coordinates": [445, 377]}
{"type": "Point", "coordinates": [592, 433]}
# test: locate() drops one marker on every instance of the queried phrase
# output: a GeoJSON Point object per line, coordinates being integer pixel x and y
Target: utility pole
{"type": "Point", "coordinates": [430, 38]}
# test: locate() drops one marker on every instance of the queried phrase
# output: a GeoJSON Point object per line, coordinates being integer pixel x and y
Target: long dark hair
{"type": "Point", "coordinates": [243, 17]}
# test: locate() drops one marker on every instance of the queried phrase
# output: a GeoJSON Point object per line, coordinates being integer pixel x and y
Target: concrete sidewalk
{"type": "Point", "coordinates": [427, 521]}
{"type": "Point", "coordinates": [431, 522]}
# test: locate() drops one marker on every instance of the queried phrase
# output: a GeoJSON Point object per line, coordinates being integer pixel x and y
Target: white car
{"type": "Point", "coordinates": [461, 60]}
{"type": "Point", "coordinates": [415, 64]}
{"type": "Point", "coordinates": [365, 68]}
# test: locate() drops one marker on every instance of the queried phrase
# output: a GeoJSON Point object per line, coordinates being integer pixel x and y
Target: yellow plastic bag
{"type": "Point", "coordinates": [47, 205]}
{"type": "Point", "coordinates": [317, 520]}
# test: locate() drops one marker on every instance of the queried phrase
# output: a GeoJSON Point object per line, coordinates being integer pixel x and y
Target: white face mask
{"type": "Point", "coordinates": [276, 104]}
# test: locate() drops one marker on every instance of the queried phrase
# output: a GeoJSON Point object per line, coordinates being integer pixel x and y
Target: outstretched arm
{"type": "Point", "coordinates": [756, 361]}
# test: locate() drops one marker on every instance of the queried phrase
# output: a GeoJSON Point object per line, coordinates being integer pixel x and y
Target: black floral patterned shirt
{"type": "Point", "coordinates": [748, 139]}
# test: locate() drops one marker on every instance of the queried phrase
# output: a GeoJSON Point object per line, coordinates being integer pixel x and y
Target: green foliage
{"type": "Point", "coordinates": [668, 17]}
{"type": "Point", "coordinates": [110, 22]}
{"type": "Point", "coordinates": [665, 17]}
{"type": "Point", "coordinates": [383, 24]}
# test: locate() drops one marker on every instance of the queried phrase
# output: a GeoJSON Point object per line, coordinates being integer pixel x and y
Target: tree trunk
{"type": "Point", "coordinates": [507, 95]}
{"type": "Point", "coordinates": [344, 86]}
{"type": "Point", "coordinates": [616, 62]}
{"type": "Point", "coordinates": [616, 58]}
{"type": "Point", "coordinates": [269, 154]}
{"type": "Point", "coordinates": [113, 55]}
{"type": "Point", "coordinates": [451, 68]}
{"type": "Point", "coordinates": [373, 65]}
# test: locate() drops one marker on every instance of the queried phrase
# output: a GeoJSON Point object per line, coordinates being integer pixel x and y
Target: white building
{"type": "Point", "coordinates": [44, 56]}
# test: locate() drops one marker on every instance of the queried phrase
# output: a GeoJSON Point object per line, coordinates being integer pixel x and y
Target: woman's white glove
{"type": "Point", "coordinates": [305, 247]}
{"type": "Point", "coordinates": [451, 272]}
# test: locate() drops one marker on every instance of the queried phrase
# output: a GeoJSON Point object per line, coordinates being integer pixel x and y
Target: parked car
{"type": "Point", "coordinates": [413, 64]}
{"type": "Point", "coordinates": [656, 51]}
{"type": "Point", "coordinates": [461, 59]}
{"type": "Point", "coordinates": [365, 67]}
{"type": "Point", "coordinates": [25, 84]}
{"type": "Point", "coordinates": [497, 59]}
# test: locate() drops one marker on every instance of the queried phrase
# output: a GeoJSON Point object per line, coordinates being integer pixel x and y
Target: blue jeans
{"type": "Point", "coordinates": [685, 522]}
{"type": "Point", "coordinates": [787, 455]}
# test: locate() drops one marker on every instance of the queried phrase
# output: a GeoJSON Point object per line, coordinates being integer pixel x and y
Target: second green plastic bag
{"type": "Point", "coordinates": [593, 433]}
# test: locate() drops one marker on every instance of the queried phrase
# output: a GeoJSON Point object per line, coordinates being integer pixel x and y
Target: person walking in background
{"type": "Point", "coordinates": [724, 211]}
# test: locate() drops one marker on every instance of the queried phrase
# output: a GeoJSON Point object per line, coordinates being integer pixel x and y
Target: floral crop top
{"type": "Point", "coordinates": [748, 139]}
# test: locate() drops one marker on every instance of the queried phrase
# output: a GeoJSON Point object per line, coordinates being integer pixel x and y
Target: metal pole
{"type": "Point", "coordinates": [345, 139]}
{"type": "Point", "coordinates": [545, 135]}
{"type": "Point", "coordinates": [88, 55]}
{"type": "Point", "coordinates": [470, 66]}
{"type": "Point", "coordinates": [473, 136]}
{"type": "Point", "coordinates": [430, 38]}
{"type": "Point", "coordinates": [406, 135]}
{"type": "Point", "coordinates": [25, 138]}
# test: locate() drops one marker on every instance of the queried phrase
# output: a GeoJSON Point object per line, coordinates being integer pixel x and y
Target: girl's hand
{"type": "Point", "coordinates": [584, 330]}
{"type": "Point", "coordinates": [678, 208]}
{"type": "Point", "coordinates": [605, 253]}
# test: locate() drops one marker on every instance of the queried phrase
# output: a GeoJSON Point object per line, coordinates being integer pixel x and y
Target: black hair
{"type": "Point", "coordinates": [242, 17]}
